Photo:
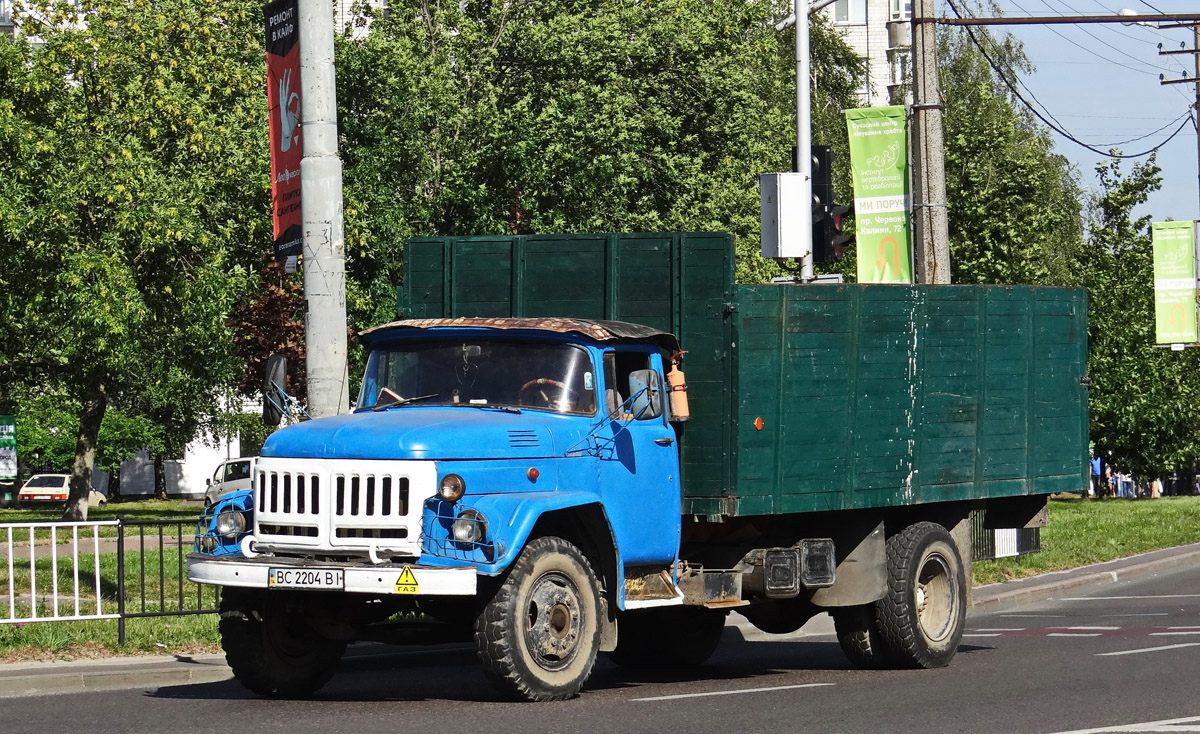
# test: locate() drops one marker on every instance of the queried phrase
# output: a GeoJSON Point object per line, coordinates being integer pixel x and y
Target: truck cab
{"type": "Point", "coordinates": [470, 440]}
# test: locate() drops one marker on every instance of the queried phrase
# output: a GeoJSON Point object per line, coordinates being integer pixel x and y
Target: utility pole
{"type": "Point", "coordinates": [324, 234]}
{"type": "Point", "coordinates": [931, 231]}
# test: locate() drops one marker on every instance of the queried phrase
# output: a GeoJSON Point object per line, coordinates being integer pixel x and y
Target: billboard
{"type": "Point", "coordinates": [879, 170]}
{"type": "Point", "coordinates": [8, 447]}
{"type": "Point", "coordinates": [283, 101]}
{"type": "Point", "coordinates": [1174, 282]}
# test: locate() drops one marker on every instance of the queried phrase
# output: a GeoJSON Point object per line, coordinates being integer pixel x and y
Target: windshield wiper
{"type": "Point", "coordinates": [401, 403]}
{"type": "Point", "coordinates": [500, 408]}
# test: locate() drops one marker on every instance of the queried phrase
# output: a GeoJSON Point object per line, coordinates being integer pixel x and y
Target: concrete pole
{"type": "Point", "coordinates": [931, 235]}
{"type": "Point", "coordinates": [1196, 48]}
{"type": "Point", "coordinates": [804, 132]}
{"type": "Point", "coordinates": [321, 199]}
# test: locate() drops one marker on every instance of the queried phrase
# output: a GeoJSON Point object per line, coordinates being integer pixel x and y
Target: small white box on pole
{"type": "Point", "coordinates": [783, 235]}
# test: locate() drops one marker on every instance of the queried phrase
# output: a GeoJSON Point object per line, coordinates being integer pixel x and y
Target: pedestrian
{"type": "Point", "coordinates": [1094, 488]}
{"type": "Point", "coordinates": [1156, 488]}
{"type": "Point", "coordinates": [1109, 482]}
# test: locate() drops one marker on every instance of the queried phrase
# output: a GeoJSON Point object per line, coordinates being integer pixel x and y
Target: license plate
{"type": "Point", "coordinates": [306, 578]}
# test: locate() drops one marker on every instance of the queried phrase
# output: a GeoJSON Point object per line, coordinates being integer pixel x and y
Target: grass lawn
{"type": "Point", "coordinates": [1082, 532]}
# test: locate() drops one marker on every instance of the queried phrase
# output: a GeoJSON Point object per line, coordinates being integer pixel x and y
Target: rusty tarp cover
{"type": "Point", "coordinates": [602, 331]}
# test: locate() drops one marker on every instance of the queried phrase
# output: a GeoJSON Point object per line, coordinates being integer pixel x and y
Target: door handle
{"type": "Point", "coordinates": [664, 441]}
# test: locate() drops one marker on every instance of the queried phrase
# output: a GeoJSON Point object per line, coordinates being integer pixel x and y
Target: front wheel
{"type": "Point", "coordinates": [539, 634]}
{"type": "Point", "coordinates": [922, 616]}
{"type": "Point", "coordinates": [271, 648]}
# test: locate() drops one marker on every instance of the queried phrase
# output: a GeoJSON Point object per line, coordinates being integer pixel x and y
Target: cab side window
{"type": "Point", "coordinates": [617, 368]}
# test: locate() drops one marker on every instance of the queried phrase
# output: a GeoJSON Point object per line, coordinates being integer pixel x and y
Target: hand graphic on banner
{"type": "Point", "coordinates": [289, 118]}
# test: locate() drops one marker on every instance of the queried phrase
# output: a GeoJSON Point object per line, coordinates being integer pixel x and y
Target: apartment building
{"type": "Point", "coordinates": [880, 31]}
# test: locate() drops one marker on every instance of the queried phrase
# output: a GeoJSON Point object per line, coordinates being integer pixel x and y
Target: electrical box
{"type": "Point", "coordinates": [784, 233]}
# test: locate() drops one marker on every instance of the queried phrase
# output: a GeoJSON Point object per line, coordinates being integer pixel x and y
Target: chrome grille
{"type": "Point", "coordinates": [339, 505]}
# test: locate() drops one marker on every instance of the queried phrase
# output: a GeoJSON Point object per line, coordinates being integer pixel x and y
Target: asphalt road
{"type": "Point", "coordinates": [1121, 657]}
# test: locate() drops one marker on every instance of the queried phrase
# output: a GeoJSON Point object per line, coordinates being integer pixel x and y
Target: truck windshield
{"type": "Point", "coordinates": [480, 373]}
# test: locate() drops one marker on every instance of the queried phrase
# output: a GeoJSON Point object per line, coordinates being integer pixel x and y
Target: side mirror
{"type": "Point", "coordinates": [276, 375]}
{"type": "Point", "coordinates": [646, 389]}
{"type": "Point", "coordinates": [208, 482]}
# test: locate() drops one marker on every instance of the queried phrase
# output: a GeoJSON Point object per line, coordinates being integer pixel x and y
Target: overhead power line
{"type": "Point", "coordinates": [1055, 127]}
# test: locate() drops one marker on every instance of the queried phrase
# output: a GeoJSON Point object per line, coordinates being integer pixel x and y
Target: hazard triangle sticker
{"type": "Point", "coordinates": [407, 583]}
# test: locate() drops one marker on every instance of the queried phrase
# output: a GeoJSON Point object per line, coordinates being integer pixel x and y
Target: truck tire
{"type": "Point", "coordinates": [539, 634]}
{"type": "Point", "coordinates": [921, 618]}
{"type": "Point", "coordinates": [271, 649]}
{"type": "Point", "coordinates": [858, 635]}
{"type": "Point", "coordinates": [678, 637]}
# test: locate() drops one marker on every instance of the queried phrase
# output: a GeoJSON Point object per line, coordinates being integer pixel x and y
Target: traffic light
{"type": "Point", "coordinates": [828, 240]}
{"type": "Point", "coordinates": [822, 174]}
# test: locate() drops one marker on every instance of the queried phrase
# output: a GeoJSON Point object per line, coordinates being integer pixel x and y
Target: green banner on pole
{"type": "Point", "coordinates": [8, 447]}
{"type": "Point", "coordinates": [1174, 282]}
{"type": "Point", "coordinates": [879, 169]}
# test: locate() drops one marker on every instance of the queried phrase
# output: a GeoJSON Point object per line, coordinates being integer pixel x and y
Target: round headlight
{"type": "Point", "coordinates": [452, 487]}
{"type": "Point", "coordinates": [470, 527]}
{"type": "Point", "coordinates": [230, 523]}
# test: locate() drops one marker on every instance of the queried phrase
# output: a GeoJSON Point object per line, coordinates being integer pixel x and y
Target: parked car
{"type": "Point", "coordinates": [54, 488]}
{"type": "Point", "coordinates": [230, 476]}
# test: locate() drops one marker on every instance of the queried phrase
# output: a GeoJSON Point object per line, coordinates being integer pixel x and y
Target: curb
{"type": "Point", "coordinates": [40, 679]}
{"type": "Point", "coordinates": [1050, 585]}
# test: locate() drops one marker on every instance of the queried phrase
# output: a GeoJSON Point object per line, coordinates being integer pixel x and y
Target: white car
{"type": "Point", "coordinates": [230, 476]}
{"type": "Point", "coordinates": [54, 488]}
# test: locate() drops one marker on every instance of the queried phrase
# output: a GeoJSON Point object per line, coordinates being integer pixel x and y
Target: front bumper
{"type": "Point", "coordinates": [359, 579]}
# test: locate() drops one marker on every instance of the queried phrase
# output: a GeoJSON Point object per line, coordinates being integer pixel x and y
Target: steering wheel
{"type": "Point", "coordinates": [564, 396]}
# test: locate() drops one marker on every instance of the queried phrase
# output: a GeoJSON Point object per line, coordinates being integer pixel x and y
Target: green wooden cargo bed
{"type": "Point", "coordinates": [808, 397]}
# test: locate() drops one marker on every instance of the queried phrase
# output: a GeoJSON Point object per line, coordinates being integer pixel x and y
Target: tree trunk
{"type": "Point", "coordinates": [94, 405]}
{"type": "Point", "coordinates": [160, 479]}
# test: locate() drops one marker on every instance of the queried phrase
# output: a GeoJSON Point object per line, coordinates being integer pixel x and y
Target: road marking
{"type": "Point", "coordinates": [1166, 725]}
{"type": "Point", "coordinates": [982, 634]}
{"type": "Point", "coordinates": [1081, 629]}
{"type": "Point", "coordinates": [1039, 616]}
{"type": "Point", "coordinates": [1137, 614]}
{"type": "Point", "coordinates": [730, 693]}
{"type": "Point", "coordinates": [1184, 628]}
{"type": "Point", "coordinates": [1162, 634]}
{"type": "Point", "coordinates": [1000, 629]}
{"type": "Point", "coordinates": [1149, 649]}
{"type": "Point", "coordinates": [1073, 634]}
{"type": "Point", "coordinates": [1118, 598]}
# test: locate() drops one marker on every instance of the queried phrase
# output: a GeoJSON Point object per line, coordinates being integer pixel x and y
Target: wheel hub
{"type": "Point", "coordinates": [936, 598]}
{"type": "Point", "coordinates": [553, 621]}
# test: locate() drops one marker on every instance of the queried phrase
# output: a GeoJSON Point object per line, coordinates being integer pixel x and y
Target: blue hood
{"type": "Point", "coordinates": [417, 432]}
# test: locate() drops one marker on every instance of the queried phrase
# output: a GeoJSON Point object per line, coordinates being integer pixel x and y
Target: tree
{"type": "Point", "coordinates": [133, 160]}
{"type": "Point", "coordinates": [569, 116]}
{"type": "Point", "coordinates": [1016, 211]}
{"type": "Point", "coordinates": [1145, 402]}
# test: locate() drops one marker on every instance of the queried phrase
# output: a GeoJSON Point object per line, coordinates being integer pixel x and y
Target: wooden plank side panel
{"type": "Point", "coordinates": [423, 293]}
{"type": "Point", "coordinates": [951, 343]}
{"type": "Point", "coordinates": [482, 277]}
{"type": "Point", "coordinates": [566, 276]}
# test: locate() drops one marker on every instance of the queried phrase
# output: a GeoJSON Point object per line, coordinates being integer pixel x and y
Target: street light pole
{"type": "Point", "coordinates": [931, 230]}
{"type": "Point", "coordinates": [321, 202]}
{"type": "Point", "coordinates": [804, 133]}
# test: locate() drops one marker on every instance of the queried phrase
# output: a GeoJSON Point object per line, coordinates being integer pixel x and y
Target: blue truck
{"type": "Point", "coordinates": [526, 465]}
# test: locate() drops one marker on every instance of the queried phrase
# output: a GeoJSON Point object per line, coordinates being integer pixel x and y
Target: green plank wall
{"type": "Point", "coordinates": [874, 396]}
{"type": "Point", "coordinates": [869, 396]}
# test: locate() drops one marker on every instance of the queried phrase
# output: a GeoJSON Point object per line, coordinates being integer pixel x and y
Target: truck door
{"type": "Point", "coordinates": [639, 475]}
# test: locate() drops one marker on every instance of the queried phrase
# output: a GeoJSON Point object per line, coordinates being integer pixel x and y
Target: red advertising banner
{"type": "Point", "coordinates": [283, 99]}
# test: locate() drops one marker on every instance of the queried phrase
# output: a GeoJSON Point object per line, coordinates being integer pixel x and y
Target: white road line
{"type": "Point", "coordinates": [982, 634]}
{"type": "Point", "coordinates": [1163, 634]}
{"type": "Point", "coordinates": [1079, 629]}
{"type": "Point", "coordinates": [1137, 614]}
{"type": "Point", "coordinates": [1000, 629]}
{"type": "Point", "coordinates": [1073, 634]}
{"type": "Point", "coordinates": [1166, 725]}
{"type": "Point", "coordinates": [1149, 649]}
{"type": "Point", "coordinates": [1117, 598]}
{"type": "Point", "coordinates": [1039, 616]}
{"type": "Point", "coordinates": [730, 693]}
{"type": "Point", "coordinates": [1193, 627]}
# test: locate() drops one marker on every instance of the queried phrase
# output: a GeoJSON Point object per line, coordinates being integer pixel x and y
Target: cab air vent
{"type": "Point", "coordinates": [523, 439]}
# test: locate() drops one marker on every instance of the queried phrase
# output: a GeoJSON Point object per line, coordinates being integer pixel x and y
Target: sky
{"type": "Point", "coordinates": [1101, 82]}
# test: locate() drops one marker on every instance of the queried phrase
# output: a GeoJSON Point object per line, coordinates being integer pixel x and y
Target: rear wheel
{"type": "Point", "coordinates": [272, 650]}
{"type": "Point", "coordinates": [921, 618]}
{"type": "Point", "coordinates": [539, 635]}
{"type": "Point", "coordinates": [859, 637]}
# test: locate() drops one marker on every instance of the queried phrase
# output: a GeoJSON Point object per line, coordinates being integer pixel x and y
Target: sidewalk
{"type": "Point", "coordinates": [35, 679]}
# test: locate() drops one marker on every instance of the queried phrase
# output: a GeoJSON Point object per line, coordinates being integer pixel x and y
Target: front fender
{"type": "Point", "coordinates": [510, 519]}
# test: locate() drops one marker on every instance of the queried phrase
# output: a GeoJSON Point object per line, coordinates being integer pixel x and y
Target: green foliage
{"type": "Point", "coordinates": [496, 118]}
{"type": "Point", "coordinates": [133, 160]}
{"type": "Point", "coordinates": [1145, 402]}
{"type": "Point", "coordinates": [1015, 205]}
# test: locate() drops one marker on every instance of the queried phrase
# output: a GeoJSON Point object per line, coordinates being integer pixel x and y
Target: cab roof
{"type": "Point", "coordinates": [597, 330]}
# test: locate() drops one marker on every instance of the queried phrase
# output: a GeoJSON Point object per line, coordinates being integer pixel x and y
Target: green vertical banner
{"type": "Point", "coordinates": [879, 170]}
{"type": "Point", "coordinates": [1174, 282]}
{"type": "Point", "coordinates": [8, 447]}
